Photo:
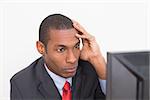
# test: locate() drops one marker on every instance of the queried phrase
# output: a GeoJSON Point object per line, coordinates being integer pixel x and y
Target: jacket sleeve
{"type": "Point", "coordinates": [15, 93]}
{"type": "Point", "coordinates": [99, 95]}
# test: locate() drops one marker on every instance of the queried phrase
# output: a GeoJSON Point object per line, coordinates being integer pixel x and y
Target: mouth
{"type": "Point", "coordinates": [71, 69]}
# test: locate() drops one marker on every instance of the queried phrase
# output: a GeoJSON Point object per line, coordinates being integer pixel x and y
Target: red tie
{"type": "Point", "coordinates": [67, 92]}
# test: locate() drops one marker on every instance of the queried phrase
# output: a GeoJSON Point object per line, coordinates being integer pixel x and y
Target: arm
{"type": "Point", "coordinates": [90, 51]}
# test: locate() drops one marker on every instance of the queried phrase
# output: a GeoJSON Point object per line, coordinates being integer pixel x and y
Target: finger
{"type": "Point", "coordinates": [88, 37]}
{"type": "Point", "coordinates": [85, 34]}
{"type": "Point", "coordinates": [84, 40]}
{"type": "Point", "coordinates": [85, 43]}
{"type": "Point", "coordinates": [80, 36]}
{"type": "Point", "coordinates": [79, 27]}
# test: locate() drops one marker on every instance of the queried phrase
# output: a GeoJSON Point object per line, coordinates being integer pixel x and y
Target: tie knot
{"type": "Point", "coordinates": [67, 86]}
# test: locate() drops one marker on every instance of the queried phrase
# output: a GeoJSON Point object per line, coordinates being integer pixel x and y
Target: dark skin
{"type": "Point", "coordinates": [63, 52]}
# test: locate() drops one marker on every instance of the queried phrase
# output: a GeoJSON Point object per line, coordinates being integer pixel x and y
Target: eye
{"type": "Point", "coordinates": [77, 46]}
{"type": "Point", "coordinates": [61, 50]}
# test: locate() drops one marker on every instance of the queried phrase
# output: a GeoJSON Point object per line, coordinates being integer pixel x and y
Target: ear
{"type": "Point", "coordinates": [40, 47]}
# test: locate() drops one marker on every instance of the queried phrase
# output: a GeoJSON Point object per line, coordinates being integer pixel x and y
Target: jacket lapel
{"type": "Point", "coordinates": [77, 84]}
{"type": "Point", "coordinates": [46, 85]}
{"type": "Point", "coordinates": [49, 90]}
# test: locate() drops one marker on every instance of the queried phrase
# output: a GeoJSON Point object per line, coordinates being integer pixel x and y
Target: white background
{"type": "Point", "coordinates": [118, 25]}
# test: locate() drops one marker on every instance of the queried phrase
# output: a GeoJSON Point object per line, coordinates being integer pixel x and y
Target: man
{"type": "Point", "coordinates": [62, 65]}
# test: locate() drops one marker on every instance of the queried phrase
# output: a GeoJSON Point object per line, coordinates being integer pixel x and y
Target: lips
{"type": "Point", "coordinates": [71, 69]}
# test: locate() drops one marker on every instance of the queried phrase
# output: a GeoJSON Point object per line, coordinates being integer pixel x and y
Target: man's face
{"type": "Point", "coordinates": [63, 52]}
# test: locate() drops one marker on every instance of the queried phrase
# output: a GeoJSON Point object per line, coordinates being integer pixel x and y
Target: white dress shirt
{"type": "Point", "coordinates": [60, 81]}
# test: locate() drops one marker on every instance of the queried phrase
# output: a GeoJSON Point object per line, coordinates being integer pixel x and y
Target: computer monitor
{"type": "Point", "coordinates": [128, 76]}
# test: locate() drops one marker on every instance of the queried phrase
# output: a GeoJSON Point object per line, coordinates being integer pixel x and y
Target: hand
{"type": "Point", "coordinates": [91, 51]}
{"type": "Point", "coordinates": [90, 48]}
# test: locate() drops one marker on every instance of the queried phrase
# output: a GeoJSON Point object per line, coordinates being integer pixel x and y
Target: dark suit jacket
{"type": "Point", "coordinates": [34, 83]}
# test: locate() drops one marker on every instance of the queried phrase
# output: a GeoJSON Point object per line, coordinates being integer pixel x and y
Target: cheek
{"type": "Point", "coordinates": [54, 56]}
{"type": "Point", "coordinates": [55, 64]}
{"type": "Point", "coordinates": [57, 60]}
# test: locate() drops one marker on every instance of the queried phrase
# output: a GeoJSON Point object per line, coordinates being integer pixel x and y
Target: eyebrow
{"type": "Point", "coordinates": [61, 45]}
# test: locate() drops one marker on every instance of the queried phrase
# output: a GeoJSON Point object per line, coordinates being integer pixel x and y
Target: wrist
{"type": "Point", "coordinates": [95, 58]}
{"type": "Point", "coordinates": [99, 65]}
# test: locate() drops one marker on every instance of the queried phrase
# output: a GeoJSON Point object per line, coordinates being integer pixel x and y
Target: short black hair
{"type": "Point", "coordinates": [54, 21]}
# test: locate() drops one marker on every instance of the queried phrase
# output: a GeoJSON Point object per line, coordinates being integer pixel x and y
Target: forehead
{"type": "Point", "coordinates": [63, 37]}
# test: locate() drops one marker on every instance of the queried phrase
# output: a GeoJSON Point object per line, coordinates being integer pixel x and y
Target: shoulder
{"type": "Point", "coordinates": [26, 73]}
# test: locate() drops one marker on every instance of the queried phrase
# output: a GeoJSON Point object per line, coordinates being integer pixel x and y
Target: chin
{"type": "Point", "coordinates": [69, 75]}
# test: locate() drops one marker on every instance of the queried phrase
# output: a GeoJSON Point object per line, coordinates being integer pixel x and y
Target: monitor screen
{"type": "Point", "coordinates": [128, 76]}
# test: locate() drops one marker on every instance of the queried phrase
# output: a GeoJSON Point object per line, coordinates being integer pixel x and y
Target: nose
{"type": "Point", "coordinates": [71, 58]}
